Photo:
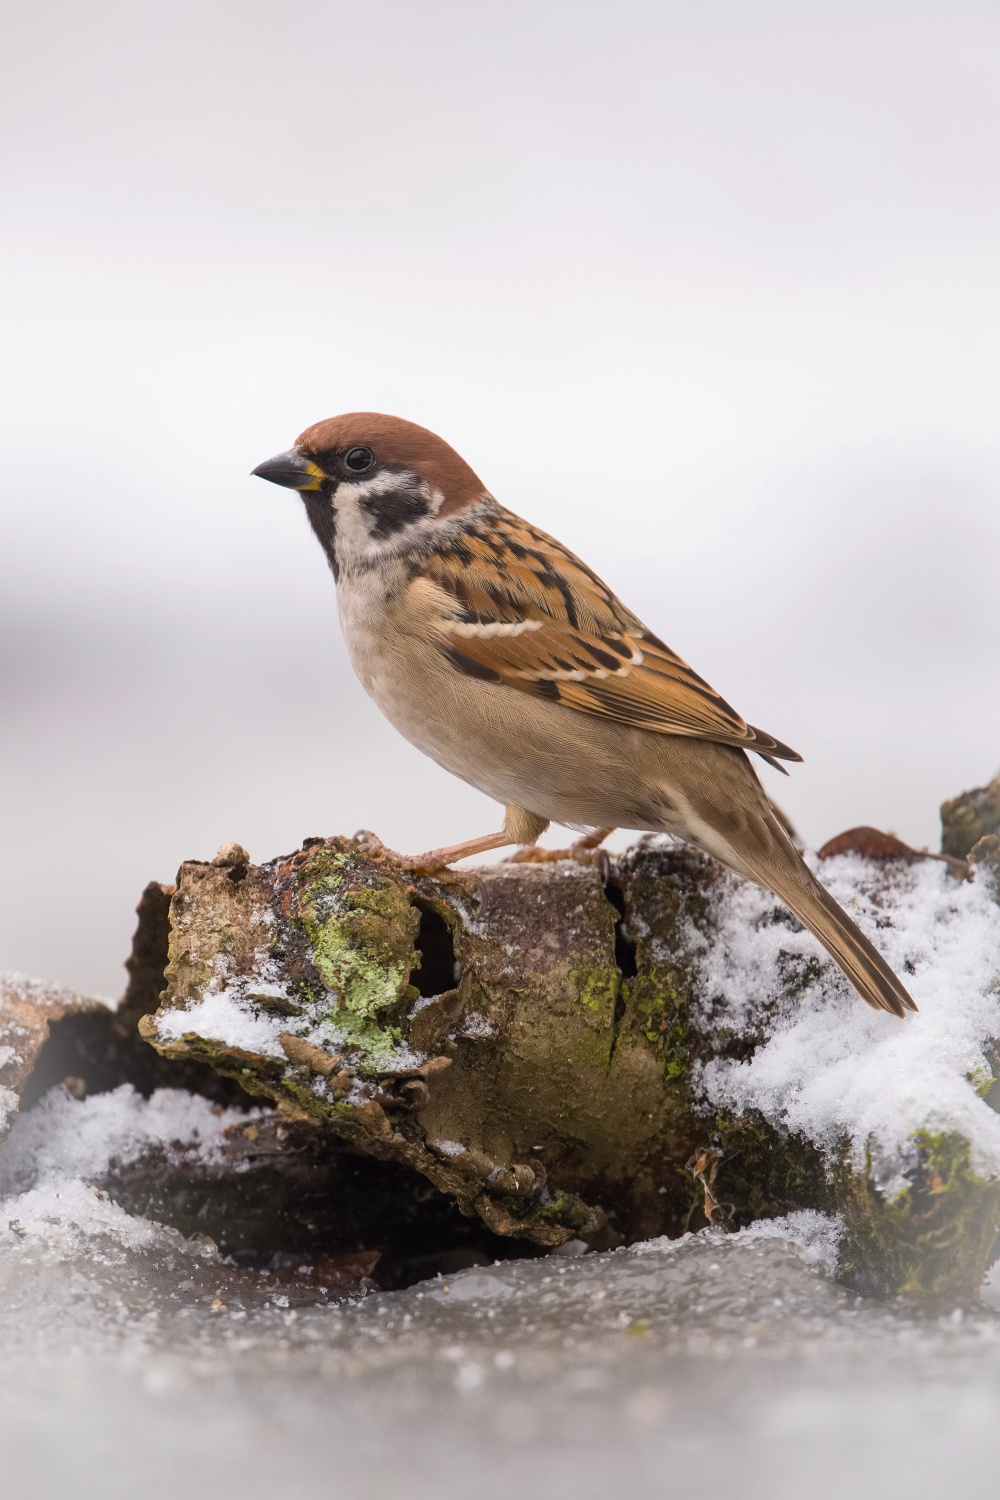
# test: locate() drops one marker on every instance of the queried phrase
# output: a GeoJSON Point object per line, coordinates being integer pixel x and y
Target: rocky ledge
{"type": "Point", "coordinates": [599, 1052]}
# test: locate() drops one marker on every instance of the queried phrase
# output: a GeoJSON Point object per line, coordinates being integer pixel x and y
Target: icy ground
{"type": "Point", "coordinates": [133, 1362]}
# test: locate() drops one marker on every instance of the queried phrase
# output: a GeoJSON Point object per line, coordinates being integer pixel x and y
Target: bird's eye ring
{"type": "Point", "coordinates": [358, 459]}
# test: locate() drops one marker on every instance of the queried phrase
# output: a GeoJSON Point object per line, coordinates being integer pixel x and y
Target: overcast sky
{"type": "Point", "coordinates": [711, 292]}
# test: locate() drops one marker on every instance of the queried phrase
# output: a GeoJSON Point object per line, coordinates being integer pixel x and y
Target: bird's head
{"type": "Point", "coordinates": [374, 485]}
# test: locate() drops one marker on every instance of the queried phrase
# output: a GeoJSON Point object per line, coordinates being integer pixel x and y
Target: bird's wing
{"type": "Point", "coordinates": [518, 608]}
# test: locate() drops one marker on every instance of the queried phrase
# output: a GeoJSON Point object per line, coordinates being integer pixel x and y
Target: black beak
{"type": "Point", "coordinates": [291, 469]}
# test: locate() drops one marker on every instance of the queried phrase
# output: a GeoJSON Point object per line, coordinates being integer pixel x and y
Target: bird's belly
{"type": "Point", "coordinates": [569, 767]}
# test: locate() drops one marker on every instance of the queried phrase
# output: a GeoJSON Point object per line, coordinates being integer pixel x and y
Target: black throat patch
{"type": "Point", "coordinates": [323, 520]}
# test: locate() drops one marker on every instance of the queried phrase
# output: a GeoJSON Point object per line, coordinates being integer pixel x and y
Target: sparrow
{"type": "Point", "coordinates": [498, 653]}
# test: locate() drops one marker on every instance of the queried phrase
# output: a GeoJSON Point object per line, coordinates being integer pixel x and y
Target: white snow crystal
{"type": "Point", "coordinates": [816, 1235]}
{"type": "Point", "coordinates": [478, 1027]}
{"type": "Point", "coordinates": [56, 1152]}
{"type": "Point", "coordinates": [66, 1137]}
{"type": "Point", "coordinates": [226, 1016]}
{"type": "Point", "coordinates": [8, 1106]}
{"type": "Point", "coordinates": [64, 1213]}
{"type": "Point", "coordinates": [832, 1068]}
{"type": "Point", "coordinates": [450, 1148]}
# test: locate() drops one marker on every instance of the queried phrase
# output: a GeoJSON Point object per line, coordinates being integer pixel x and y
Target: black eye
{"type": "Point", "coordinates": [358, 459]}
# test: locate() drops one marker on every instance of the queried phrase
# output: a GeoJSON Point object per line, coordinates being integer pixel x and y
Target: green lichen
{"type": "Point", "coordinates": [658, 1008]}
{"type": "Point", "coordinates": [982, 1080]}
{"type": "Point", "coordinates": [934, 1239]}
{"type": "Point", "coordinates": [360, 928]}
{"type": "Point", "coordinates": [763, 1174]}
{"type": "Point", "coordinates": [597, 985]}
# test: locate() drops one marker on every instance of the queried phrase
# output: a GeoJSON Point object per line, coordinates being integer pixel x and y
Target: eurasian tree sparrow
{"type": "Point", "coordinates": [502, 656]}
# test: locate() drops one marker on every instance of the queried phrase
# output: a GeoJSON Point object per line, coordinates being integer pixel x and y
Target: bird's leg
{"type": "Point", "coordinates": [519, 827]}
{"type": "Point", "coordinates": [584, 851]}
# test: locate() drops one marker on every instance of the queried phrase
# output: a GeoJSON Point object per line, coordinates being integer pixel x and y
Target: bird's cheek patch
{"type": "Point", "coordinates": [393, 511]}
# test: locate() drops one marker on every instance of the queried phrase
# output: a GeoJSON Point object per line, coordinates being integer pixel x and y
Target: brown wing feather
{"type": "Point", "coordinates": [563, 635]}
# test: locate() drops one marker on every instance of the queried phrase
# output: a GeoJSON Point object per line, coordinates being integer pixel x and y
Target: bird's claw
{"type": "Point", "coordinates": [581, 854]}
{"type": "Point", "coordinates": [415, 864]}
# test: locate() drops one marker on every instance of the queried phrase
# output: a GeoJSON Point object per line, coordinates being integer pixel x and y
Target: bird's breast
{"type": "Point", "coordinates": [390, 637]}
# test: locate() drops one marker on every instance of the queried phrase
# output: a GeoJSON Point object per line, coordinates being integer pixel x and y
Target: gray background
{"type": "Point", "coordinates": [712, 292]}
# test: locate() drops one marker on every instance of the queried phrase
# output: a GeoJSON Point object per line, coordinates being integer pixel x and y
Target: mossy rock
{"type": "Point", "coordinates": [968, 818]}
{"type": "Point", "coordinates": [529, 1039]}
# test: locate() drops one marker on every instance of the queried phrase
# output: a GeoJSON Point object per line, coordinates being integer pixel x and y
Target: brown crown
{"type": "Point", "coordinates": [396, 441]}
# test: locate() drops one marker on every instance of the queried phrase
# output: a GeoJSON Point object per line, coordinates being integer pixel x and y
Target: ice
{"type": "Point", "coordinates": [134, 1361]}
{"type": "Point", "coordinates": [132, 1365]}
{"type": "Point", "coordinates": [137, 1362]}
{"type": "Point", "coordinates": [832, 1067]}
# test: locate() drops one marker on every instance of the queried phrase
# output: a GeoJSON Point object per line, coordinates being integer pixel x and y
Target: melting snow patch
{"type": "Point", "coordinates": [831, 1068]}
{"type": "Point", "coordinates": [225, 1016]}
{"type": "Point", "coordinates": [64, 1137]}
{"type": "Point", "coordinates": [816, 1235]}
{"type": "Point", "coordinates": [65, 1213]}
{"type": "Point", "coordinates": [478, 1027]}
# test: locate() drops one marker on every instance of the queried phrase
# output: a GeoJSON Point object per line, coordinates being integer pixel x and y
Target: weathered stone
{"type": "Point", "coordinates": [968, 818]}
{"type": "Point", "coordinates": [565, 1023]}
{"type": "Point", "coordinates": [984, 859]}
{"type": "Point", "coordinates": [98, 1047]}
{"type": "Point", "coordinates": [519, 1044]}
{"type": "Point", "coordinates": [28, 1010]}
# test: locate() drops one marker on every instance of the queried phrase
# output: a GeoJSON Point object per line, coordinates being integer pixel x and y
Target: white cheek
{"type": "Point", "coordinates": [356, 521]}
{"type": "Point", "coordinates": [353, 526]}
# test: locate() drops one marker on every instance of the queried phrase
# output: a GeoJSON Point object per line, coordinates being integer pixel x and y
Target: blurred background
{"type": "Point", "coordinates": [711, 292]}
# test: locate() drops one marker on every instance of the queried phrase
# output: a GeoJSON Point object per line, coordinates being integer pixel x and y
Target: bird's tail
{"type": "Point", "coordinates": [862, 963]}
{"type": "Point", "coordinates": [712, 797]}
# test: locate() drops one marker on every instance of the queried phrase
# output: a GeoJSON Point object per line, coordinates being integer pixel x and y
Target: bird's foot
{"type": "Point", "coordinates": [435, 861]}
{"type": "Point", "coordinates": [418, 864]}
{"type": "Point", "coordinates": [585, 851]}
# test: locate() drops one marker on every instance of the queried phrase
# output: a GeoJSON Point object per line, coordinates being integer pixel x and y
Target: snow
{"type": "Point", "coordinates": [816, 1236]}
{"type": "Point", "coordinates": [64, 1137]}
{"type": "Point", "coordinates": [228, 1012]}
{"type": "Point", "coordinates": [226, 1016]}
{"type": "Point", "coordinates": [138, 1362]}
{"type": "Point", "coordinates": [829, 1066]}
{"type": "Point", "coordinates": [478, 1027]}
{"type": "Point", "coordinates": [450, 1148]}
{"type": "Point", "coordinates": [60, 1150]}
{"type": "Point", "coordinates": [63, 1216]}
{"type": "Point", "coordinates": [44, 993]}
